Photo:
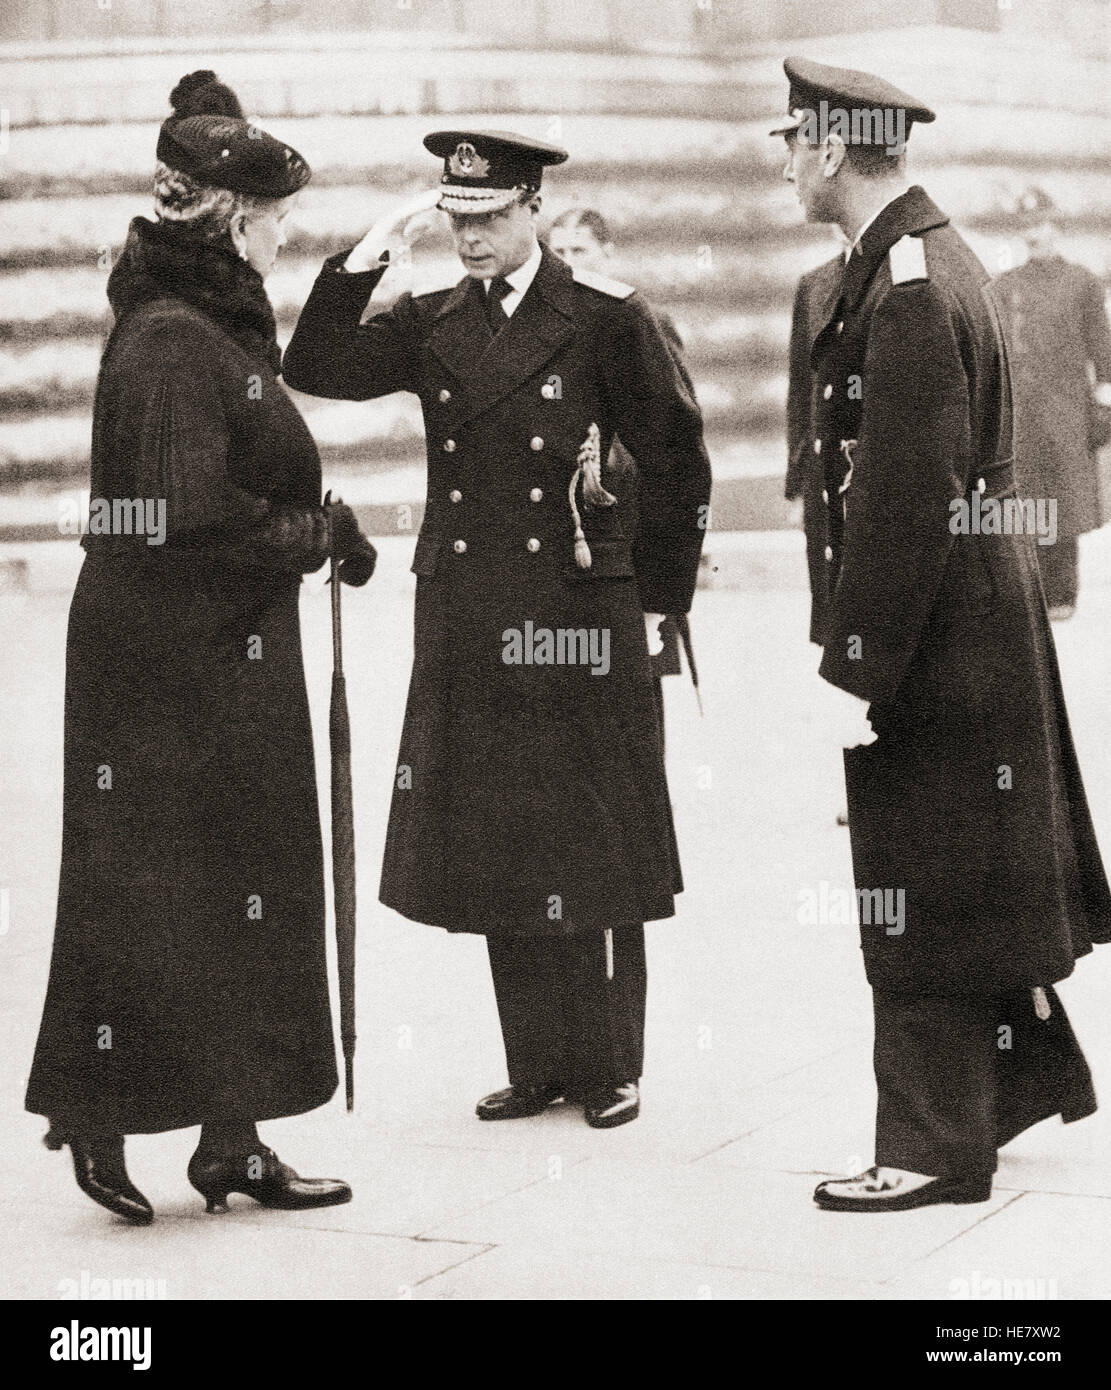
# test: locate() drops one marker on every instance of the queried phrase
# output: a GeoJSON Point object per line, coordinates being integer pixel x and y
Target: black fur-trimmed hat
{"type": "Point", "coordinates": [209, 139]}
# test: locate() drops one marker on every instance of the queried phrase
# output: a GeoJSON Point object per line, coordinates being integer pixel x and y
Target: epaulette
{"type": "Point", "coordinates": [602, 283]}
{"type": "Point", "coordinates": [908, 260]}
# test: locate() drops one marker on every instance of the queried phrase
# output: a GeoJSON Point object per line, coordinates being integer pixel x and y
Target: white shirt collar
{"type": "Point", "coordinates": [878, 211]}
{"type": "Point", "coordinates": [519, 280]}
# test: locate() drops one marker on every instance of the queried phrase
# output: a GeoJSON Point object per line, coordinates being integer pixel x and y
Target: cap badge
{"type": "Point", "coordinates": [467, 163]}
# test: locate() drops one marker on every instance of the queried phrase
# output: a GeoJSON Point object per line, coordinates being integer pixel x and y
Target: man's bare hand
{"type": "Point", "coordinates": [843, 716]}
{"type": "Point", "coordinates": [395, 229]}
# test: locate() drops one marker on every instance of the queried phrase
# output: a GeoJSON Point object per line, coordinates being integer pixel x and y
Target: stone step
{"type": "Point", "coordinates": [37, 304]}
{"type": "Point", "coordinates": [671, 210]}
{"type": "Point", "coordinates": [413, 74]}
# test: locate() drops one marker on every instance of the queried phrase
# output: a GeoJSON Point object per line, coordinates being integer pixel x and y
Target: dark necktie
{"type": "Point", "coordinates": [496, 316]}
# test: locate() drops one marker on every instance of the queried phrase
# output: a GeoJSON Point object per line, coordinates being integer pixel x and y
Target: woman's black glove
{"type": "Point", "coordinates": [348, 544]}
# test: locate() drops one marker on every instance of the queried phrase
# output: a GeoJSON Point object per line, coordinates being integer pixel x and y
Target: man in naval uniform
{"type": "Point", "coordinates": [530, 803]}
{"type": "Point", "coordinates": [979, 880]}
{"type": "Point", "coordinates": [804, 481]}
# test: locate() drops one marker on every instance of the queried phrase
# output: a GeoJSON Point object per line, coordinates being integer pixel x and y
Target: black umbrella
{"type": "Point", "coordinates": [343, 843]}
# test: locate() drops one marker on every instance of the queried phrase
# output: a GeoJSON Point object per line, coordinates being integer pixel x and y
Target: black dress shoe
{"type": "Point", "coordinates": [609, 1106]}
{"type": "Point", "coordinates": [101, 1173]}
{"type": "Point", "coordinates": [517, 1102]}
{"type": "Point", "coordinates": [264, 1177]}
{"type": "Point", "coordinates": [869, 1192]}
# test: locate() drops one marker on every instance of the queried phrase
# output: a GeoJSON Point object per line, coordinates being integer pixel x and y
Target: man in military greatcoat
{"type": "Point", "coordinates": [805, 480]}
{"type": "Point", "coordinates": [979, 879]}
{"type": "Point", "coordinates": [530, 803]}
{"type": "Point", "coordinates": [1060, 350]}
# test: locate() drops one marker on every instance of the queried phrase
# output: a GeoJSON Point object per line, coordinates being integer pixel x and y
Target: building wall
{"type": "Point", "coordinates": [619, 23]}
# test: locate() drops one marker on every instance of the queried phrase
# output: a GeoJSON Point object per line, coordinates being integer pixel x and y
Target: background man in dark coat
{"type": "Point", "coordinates": [530, 803]}
{"type": "Point", "coordinates": [1060, 350]}
{"type": "Point", "coordinates": [581, 237]}
{"type": "Point", "coordinates": [805, 477]}
{"type": "Point", "coordinates": [978, 875]}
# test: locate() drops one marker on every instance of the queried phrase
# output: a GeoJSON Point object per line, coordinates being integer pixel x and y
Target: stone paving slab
{"type": "Point", "coordinates": [759, 1032]}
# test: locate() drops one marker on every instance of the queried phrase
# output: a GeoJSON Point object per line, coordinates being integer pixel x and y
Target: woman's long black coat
{"type": "Point", "coordinates": [188, 975]}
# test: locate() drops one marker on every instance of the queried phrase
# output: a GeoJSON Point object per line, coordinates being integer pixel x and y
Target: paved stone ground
{"type": "Point", "coordinates": [758, 1079]}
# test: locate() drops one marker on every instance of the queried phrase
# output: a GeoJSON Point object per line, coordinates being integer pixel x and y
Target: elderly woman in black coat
{"type": "Point", "coordinates": [188, 984]}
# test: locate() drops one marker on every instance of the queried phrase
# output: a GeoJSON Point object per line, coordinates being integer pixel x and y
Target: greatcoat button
{"type": "Point", "coordinates": [817, 446]}
{"type": "Point", "coordinates": [825, 495]}
{"type": "Point", "coordinates": [459, 547]}
{"type": "Point", "coordinates": [534, 545]}
{"type": "Point", "coordinates": [445, 396]}
{"type": "Point", "coordinates": [536, 443]}
{"type": "Point", "coordinates": [827, 392]}
{"type": "Point", "coordinates": [449, 446]}
{"type": "Point", "coordinates": [536, 495]}
{"type": "Point", "coordinates": [981, 485]}
{"type": "Point", "coordinates": [548, 391]}
{"type": "Point", "coordinates": [840, 325]}
{"type": "Point", "coordinates": [829, 551]}
{"type": "Point", "coordinates": [455, 495]}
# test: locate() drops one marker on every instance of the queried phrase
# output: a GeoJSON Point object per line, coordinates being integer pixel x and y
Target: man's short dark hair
{"type": "Point", "coordinates": [589, 218]}
{"type": "Point", "coordinates": [874, 161]}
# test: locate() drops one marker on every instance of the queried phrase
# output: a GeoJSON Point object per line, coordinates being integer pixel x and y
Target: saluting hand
{"type": "Point", "coordinates": [392, 231]}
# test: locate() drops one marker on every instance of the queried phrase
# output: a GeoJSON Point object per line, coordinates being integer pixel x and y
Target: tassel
{"type": "Point", "coordinates": [589, 469]}
{"type": "Point", "coordinates": [582, 550]}
{"type": "Point", "coordinates": [1041, 1003]}
{"type": "Point", "coordinates": [590, 461]}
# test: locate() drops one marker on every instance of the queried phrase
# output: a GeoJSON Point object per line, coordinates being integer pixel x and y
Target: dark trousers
{"type": "Point", "coordinates": [562, 1021]}
{"type": "Point", "coordinates": [959, 1077]}
{"type": "Point", "coordinates": [1060, 567]}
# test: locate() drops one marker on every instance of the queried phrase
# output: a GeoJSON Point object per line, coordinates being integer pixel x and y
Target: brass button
{"type": "Point", "coordinates": [445, 396]}
{"type": "Point", "coordinates": [817, 446]}
{"type": "Point", "coordinates": [449, 446]}
{"type": "Point", "coordinates": [548, 391]}
{"type": "Point", "coordinates": [827, 392]}
{"type": "Point", "coordinates": [825, 495]}
{"type": "Point", "coordinates": [840, 325]}
{"type": "Point", "coordinates": [981, 485]}
{"type": "Point", "coordinates": [536, 443]}
{"type": "Point", "coordinates": [455, 495]}
{"type": "Point", "coordinates": [829, 551]}
{"type": "Point", "coordinates": [534, 545]}
{"type": "Point", "coordinates": [536, 495]}
{"type": "Point", "coordinates": [460, 547]}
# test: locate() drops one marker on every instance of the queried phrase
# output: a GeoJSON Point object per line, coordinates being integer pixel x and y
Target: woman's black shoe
{"type": "Point", "coordinates": [264, 1177]}
{"type": "Point", "coordinates": [101, 1173]}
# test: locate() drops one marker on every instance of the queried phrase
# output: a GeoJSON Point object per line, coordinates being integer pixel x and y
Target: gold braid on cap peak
{"type": "Point", "coordinates": [594, 494]}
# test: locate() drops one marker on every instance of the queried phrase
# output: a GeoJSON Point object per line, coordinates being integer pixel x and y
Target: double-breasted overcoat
{"type": "Point", "coordinates": [530, 794]}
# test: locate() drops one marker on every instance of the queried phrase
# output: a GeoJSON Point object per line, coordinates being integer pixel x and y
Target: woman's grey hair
{"type": "Point", "coordinates": [205, 210]}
